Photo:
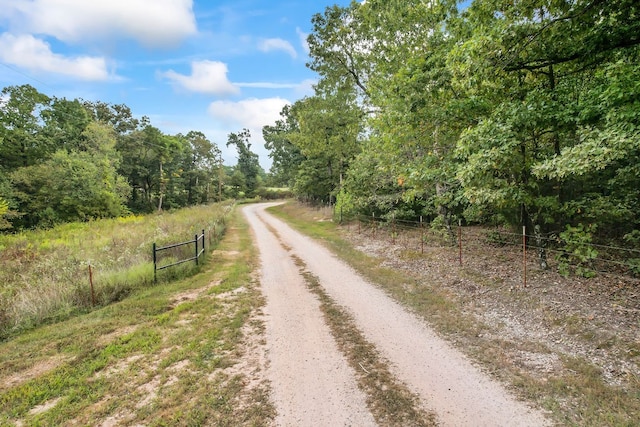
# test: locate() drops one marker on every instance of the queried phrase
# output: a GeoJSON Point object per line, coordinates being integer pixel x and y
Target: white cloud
{"type": "Point", "coordinates": [268, 85]}
{"type": "Point", "coordinates": [269, 45]}
{"type": "Point", "coordinates": [252, 114]}
{"type": "Point", "coordinates": [28, 52]}
{"type": "Point", "coordinates": [158, 23]}
{"type": "Point", "coordinates": [303, 40]}
{"type": "Point", "coordinates": [206, 77]}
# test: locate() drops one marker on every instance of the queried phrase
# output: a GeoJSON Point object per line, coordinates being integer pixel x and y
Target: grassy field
{"type": "Point", "coordinates": [44, 275]}
{"type": "Point", "coordinates": [171, 354]}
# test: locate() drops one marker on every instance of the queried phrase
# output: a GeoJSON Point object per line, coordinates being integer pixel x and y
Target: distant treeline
{"type": "Point", "coordinates": [73, 160]}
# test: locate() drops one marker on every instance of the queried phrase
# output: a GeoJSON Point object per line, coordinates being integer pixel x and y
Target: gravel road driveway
{"type": "Point", "coordinates": [311, 380]}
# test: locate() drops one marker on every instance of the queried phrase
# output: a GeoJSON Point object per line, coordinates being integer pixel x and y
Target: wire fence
{"type": "Point", "coordinates": [536, 251]}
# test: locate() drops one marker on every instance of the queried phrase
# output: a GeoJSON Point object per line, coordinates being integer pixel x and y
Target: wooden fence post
{"type": "Point", "coordinates": [93, 294]}
{"type": "Point", "coordinates": [421, 236]}
{"type": "Point", "coordinates": [393, 229]}
{"type": "Point", "coordinates": [524, 254]}
{"type": "Point", "coordinates": [460, 241]}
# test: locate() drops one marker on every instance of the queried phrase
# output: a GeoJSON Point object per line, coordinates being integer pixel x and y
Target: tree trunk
{"type": "Point", "coordinates": [443, 210]}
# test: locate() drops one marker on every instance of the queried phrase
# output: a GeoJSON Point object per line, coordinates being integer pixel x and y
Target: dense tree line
{"type": "Point", "coordinates": [73, 160]}
{"type": "Point", "coordinates": [518, 113]}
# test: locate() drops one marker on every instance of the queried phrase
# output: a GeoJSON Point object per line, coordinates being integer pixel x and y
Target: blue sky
{"type": "Point", "coordinates": [211, 66]}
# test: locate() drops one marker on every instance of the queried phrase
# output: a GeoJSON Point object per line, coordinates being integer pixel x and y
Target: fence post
{"type": "Point", "coordinates": [195, 240]}
{"type": "Point", "coordinates": [421, 236]}
{"type": "Point", "coordinates": [460, 241]}
{"type": "Point", "coordinates": [524, 254]}
{"type": "Point", "coordinates": [393, 229]}
{"type": "Point", "coordinates": [93, 294]}
{"type": "Point", "coordinates": [373, 216]}
{"type": "Point", "coordinates": [155, 264]}
{"type": "Point", "coordinates": [203, 248]}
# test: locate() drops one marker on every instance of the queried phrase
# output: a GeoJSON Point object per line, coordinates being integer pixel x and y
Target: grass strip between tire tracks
{"type": "Point", "coordinates": [390, 402]}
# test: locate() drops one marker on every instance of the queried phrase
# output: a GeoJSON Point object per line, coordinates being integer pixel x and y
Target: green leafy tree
{"type": "Point", "coordinates": [248, 164]}
{"type": "Point", "coordinates": [65, 121]}
{"type": "Point", "coordinates": [555, 135]}
{"type": "Point", "coordinates": [286, 156]}
{"type": "Point", "coordinates": [73, 185]}
{"type": "Point", "coordinates": [21, 142]}
{"type": "Point", "coordinates": [338, 52]}
{"type": "Point", "coordinates": [201, 168]}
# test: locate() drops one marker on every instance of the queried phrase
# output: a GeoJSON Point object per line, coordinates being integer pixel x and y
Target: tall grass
{"type": "Point", "coordinates": [44, 274]}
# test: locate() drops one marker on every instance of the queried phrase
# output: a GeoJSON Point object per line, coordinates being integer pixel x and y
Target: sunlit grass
{"type": "Point", "coordinates": [45, 275]}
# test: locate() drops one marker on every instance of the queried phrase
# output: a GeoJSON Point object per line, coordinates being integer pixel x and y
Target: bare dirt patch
{"type": "Point", "coordinates": [597, 319]}
{"type": "Point", "coordinates": [40, 368]}
{"type": "Point", "coordinates": [44, 407]}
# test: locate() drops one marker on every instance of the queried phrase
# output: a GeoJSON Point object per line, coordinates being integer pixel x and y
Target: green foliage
{"type": "Point", "coordinates": [285, 155]}
{"type": "Point", "coordinates": [634, 266]}
{"type": "Point", "coordinates": [21, 143]}
{"type": "Point", "coordinates": [67, 160]}
{"type": "Point", "coordinates": [511, 113]}
{"type": "Point", "coordinates": [70, 187]}
{"type": "Point", "coordinates": [578, 252]}
{"type": "Point", "coordinates": [4, 208]}
{"type": "Point", "coordinates": [345, 207]}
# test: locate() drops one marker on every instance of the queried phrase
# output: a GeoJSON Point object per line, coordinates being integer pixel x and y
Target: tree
{"type": "Point", "coordinates": [338, 52]}
{"type": "Point", "coordinates": [201, 167]}
{"type": "Point", "coordinates": [21, 143]}
{"type": "Point", "coordinates": [73, 185]}
{"type": "Point", "coordinates": [248, 164]}
{"type": "Point", "coordinates": [65, 121]}
{"type": "Point", "coordinates": [286, 156]}
{"type": "Point", "coordinates": [150, 159]}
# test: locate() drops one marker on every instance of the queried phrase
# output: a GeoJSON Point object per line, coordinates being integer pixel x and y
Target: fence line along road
{"type": "Point", "coordinates": [198, 251]}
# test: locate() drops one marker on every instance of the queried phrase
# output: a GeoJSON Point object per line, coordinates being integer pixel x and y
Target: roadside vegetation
{"type": "Point", "coordinates": [45, 274]}
{"type": "Point", "coordinates": [580, 367]}
{"type": "Point", "coordinates": [178, 353]}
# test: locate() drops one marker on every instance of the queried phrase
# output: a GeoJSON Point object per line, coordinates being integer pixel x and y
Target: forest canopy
{"type": "Point", "coordinates": [515, 113]}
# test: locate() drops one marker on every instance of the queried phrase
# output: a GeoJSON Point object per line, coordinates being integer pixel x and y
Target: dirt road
{"type": "Point", "coordinates": [311, 380]}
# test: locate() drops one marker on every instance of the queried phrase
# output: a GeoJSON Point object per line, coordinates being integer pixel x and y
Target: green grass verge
{"type": "Point", "coordinates": [165, 355]}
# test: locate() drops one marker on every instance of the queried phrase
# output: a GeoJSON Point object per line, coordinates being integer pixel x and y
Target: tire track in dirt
{"type": "Point", "coordinates": [312, 383]}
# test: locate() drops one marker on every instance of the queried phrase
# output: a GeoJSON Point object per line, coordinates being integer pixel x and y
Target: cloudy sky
{"type": "Point", "coordinates": [215, 66]}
